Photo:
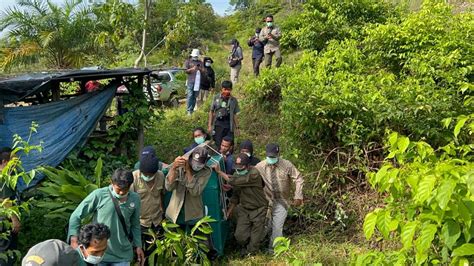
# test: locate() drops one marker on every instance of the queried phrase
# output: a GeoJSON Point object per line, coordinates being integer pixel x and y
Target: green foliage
{"type": "Point", "coordinates": [325, 20]}
{"type": "Point", "coordinates": [429, 204]}
{"type": "Point", "coordinates": [65, 189]}
{"type": "Point", "coordinates": [346, 95]}
{"type": "Point", "coordinates": [38, 29]}
{"type": "Point", "coordinates": [178, 247]}
{"type": "Point", "coordinates": [193, 23]}
{"type": "Point", "coordinates": [9, 175]}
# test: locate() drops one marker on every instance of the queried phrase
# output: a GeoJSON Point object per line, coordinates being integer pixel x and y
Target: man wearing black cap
{"type": "Point", "coordinates": [247, 147]}
{"type": "Point", "coordinates": [277, 173]}
{"type": "Point", "coordinates": [149, 183]}
{"type": "Point", "coordinates": [249, 195]}
{"type": "Point", "coordinates": [187, 179]}
{"type": "Point", "coordinates": [119, 209]}
{"type": "Point", "coordinates": [150, 150]}
{"type": "Point", "coordinates": [53, 252]}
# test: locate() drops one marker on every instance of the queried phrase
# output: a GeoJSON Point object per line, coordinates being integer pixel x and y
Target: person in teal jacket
{"type": "Point", "coordinates": [100, 203]}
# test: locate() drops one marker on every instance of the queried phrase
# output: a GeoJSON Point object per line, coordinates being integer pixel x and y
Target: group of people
{"type": "Point", "coordinates": [201, 76]}
{"type": "Point", "coordinates": [265, 45]}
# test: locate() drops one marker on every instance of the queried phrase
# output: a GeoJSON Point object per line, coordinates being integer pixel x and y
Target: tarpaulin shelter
{"type": "Point", "coordinates": [63, 123]}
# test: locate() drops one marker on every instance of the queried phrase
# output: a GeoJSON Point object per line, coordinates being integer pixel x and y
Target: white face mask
{"type": "Point", "coordinates": [248, 154]}
{"type": "Point", "coordinates": [90, 258]}
{"type": "Point", "coordinates": [208, 64]}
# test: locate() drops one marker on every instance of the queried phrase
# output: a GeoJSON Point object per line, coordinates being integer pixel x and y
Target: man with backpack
{"type": "Point", "coordinates": [223, 114]}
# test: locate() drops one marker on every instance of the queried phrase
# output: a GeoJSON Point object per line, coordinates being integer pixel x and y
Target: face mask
{"type": "Point", "coordinates": [269, 24]}
{"type": "Point", "coordinates": [271, 160]}
{"type": "Point", "coordinates": [117, 196]}
{"type": "Point", "coordinates": [199, 140]}
{"type": "Point", "coordinates": [90, 258]}
{"type": "Point", "coordinates": [208, 64]}
{"type": "Point", "coordinates": [147, 178]}
{"type": "Point", "coordinates": [241, 171]}
{"type": "Point", "coordinates": [248, 154]}
{"type": "Point", "coordinates": [197, 168]}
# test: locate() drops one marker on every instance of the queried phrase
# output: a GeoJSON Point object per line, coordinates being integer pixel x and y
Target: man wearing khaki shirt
{"type": "Point", "coordinates": [270, 36]}
{"type": "Point", "coordinates": [277, 174]}
{"type": "Point", "coordinates": [149, 183]}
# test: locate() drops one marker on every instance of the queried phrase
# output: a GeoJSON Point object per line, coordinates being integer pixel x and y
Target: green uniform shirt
{"type": "Point", "coordinates": [52, 252]}
{"type": "Point", "coordinates": [99, 203]}
{"type": "Point", "coordinates": [248, 190]}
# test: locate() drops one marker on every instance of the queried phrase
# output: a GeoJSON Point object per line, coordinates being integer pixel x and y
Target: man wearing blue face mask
{"type": "Point", "coordinates": [92, 245]}
{"type": "Point", "coordinates": [119, 209]}
{"type": "Point", "coordinates": [277, 173]}
{"type": "Point", "coordinates": [270, 36]}
{"type": "Point", "coordinates": [149, 183]}
{"type": "Point", "coordinates": [249, 195]}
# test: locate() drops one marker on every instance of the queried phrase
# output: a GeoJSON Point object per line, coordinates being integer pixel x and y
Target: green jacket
{"type": "Point", "coordinates": [188, 195]}
{"type": "Point", "coordinates": [99, 203]}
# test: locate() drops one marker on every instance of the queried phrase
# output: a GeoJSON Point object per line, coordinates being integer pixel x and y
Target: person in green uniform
{"type": "Point", "coordinates": [149, 183]}
{"type": "Point", "coordinates": [187, 179]}
{"type": "Point", "coordinates": [53, 252]}
{"type": "Point", "coordinates": [125, 233]}
{"type": "Point", "coordinates": [250, 198]}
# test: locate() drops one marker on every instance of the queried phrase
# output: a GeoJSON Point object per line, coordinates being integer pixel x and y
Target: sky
{"type": "Point", "coordinates": [220, 6]}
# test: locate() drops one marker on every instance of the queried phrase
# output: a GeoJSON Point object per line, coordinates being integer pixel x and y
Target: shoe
{"type": "Point", "coordinates": [190, 114]}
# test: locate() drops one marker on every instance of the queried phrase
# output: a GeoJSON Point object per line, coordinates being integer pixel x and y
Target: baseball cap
{"type": "Point", "coordinates": [148, 150]}
{"type": "Point", "coordinates": [199, 156]}
{"type": "Point", "coordinates": [272, 150]}
{"type": "Point", "coordinates": [52, 252]}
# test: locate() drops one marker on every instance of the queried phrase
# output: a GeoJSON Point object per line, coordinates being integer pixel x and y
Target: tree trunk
{"type": "Point", "coordinates": [147, 6]}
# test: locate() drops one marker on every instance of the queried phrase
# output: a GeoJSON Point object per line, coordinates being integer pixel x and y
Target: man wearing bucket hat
{"type": "Point", "coordinates": [193, 67]}
{"type": "Point", "coordinates": [187, 179]}
{"type": "Point", "coordinates": [277, 173]}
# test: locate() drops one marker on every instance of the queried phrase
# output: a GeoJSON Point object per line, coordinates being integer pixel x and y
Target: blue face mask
{"type": "Point", "coordinates": [90, 258]}
{"type": "Point", "coordinates": [199, 140]}
{"type": "Point", "coordinates": [147, 178]}
{"type": "Point", "coordinates": [241, 172]}
{"type": "Point", "coordinates": [117, 196]}
{"type": "Point", "coordinates": [271, 160]}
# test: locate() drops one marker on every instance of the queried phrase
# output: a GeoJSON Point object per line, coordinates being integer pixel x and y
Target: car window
{"type": "Point", "coordinates": [164, 77]}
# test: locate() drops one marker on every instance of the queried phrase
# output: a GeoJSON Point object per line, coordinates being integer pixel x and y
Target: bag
{"type": "Point", "coordinates": [121, 218]}
{"type": "Point", "coordinates": [233, 62]}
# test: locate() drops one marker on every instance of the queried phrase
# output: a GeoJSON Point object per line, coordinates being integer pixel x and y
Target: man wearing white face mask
{"type": "Point", "coordinates": [187, 179]}
{"type": "Point", "coordinates": [277, 173]}
{"type": "Point", "coordinates": [92, 245]}
{"type": "Point", "coordinates": [119, 209]}
{"type": "Point", "coordinates": [149, 183]}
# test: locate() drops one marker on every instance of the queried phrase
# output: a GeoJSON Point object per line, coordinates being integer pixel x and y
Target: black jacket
{"type": "Point", "coordinates": [208, 79]}
{"type": "Point", "coordinates": [257, 47]}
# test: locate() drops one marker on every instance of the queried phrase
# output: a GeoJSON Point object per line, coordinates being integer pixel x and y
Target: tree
{"type": "Point", "coordinates": [42, 30]}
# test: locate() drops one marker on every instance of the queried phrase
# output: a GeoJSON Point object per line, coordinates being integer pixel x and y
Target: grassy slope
{"type": "Point", "coordinates": [313, 239]}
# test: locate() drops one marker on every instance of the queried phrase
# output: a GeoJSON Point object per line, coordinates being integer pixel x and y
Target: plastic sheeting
{"type": "Point", "coordinates": [63, 125]}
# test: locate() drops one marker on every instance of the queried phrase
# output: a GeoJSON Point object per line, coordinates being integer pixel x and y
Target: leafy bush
{"type": "Point", "coordinates": [65, 189]}
{"type": "Point", "coordinates": [429, 205]}
{"type": "Point", "coordinates": [178, 247]}
{"type": "Point", "coordinates": [325, 20]}
{"type": "Point", "coordinates": [349, 94]}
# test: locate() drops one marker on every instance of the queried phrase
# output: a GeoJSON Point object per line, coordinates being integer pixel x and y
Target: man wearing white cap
{"type": "Point", "coordinates": [193, 68]}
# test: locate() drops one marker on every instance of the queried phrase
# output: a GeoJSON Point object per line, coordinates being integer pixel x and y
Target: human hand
{"type": "Point", "coordinates": [179, 162]}
{"type": "Point", "coordinates": [226, 187]}
{"type": "Point", "coordinates": [229, 212]}
{"type": "Point", "coordinates": [16, 225]}
{"type": "Point", "coordinates": [140, 256]}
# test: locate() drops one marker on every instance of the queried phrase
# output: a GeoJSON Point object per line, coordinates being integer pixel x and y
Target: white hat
{"type": "Point", "coordinates": [195, 52]}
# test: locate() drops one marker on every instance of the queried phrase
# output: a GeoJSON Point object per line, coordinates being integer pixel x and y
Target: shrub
{"type": "Point", "coordinates": [429, 205]}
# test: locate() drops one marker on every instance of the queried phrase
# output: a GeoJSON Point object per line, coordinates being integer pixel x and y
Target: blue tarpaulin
{"type": "Point", "coordinates": [62, 126]}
